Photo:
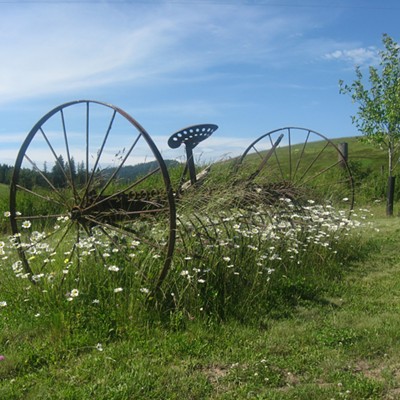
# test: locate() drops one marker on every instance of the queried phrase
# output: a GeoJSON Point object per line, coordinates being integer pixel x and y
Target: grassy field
{"type": "Point", "coordinates": [343, 343]}
{"type": "Point", "coordinates": [291, 304]}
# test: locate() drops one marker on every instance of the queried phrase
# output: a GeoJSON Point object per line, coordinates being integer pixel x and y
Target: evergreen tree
{"type": "Point", "coordinates": [58, 177]}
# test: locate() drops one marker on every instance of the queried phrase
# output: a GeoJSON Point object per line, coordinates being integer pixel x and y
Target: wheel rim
{"type": "Point", "coordinates": [77, 184]}
{"type": "Point", "coordinates": [302, 160]}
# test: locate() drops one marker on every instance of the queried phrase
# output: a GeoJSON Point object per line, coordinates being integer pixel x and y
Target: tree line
{"type": "Point", "coordinates": [64, 171]}
{"type": "Point", "coordinates": [57, 176]}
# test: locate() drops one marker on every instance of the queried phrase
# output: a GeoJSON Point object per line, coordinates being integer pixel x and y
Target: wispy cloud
{"type": "Point", "coordinates": [65, 47]}
{"type": "Point", "coordinates": [356, 56]}
{"type": "Point", "coordinates": [48, 48]}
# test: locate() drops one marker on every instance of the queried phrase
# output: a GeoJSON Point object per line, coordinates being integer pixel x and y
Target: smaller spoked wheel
{"type": "Point", "coordinates": [300, 164]}
{"type": "Point", "coordinates": [90, 186]}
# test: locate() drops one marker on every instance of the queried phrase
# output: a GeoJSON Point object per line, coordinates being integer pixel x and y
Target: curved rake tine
{"type": "Point", "coordinates": [114, 241]}
{"type": "Point", "coordinates": [113, 213]}
{"type": "Point", "coordinates": [123, 230]}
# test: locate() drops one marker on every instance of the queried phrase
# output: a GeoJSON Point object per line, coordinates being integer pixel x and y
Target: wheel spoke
{"type": "Point", "coordinates": [22, 250]}
{"type": "Point", "coordinates": [277, 159]}
{"type": "Point", "coordinates": [311, 178]}
{"type": "Point", "coordinates": [87, 144]}
{"type": "Point", "coordinates": [119, 167]}
{"type": "Point", "coordinates": [56, 158]}
{"type": "Point", "coordinates": [257, 152]}
{"type": "Point", "coordinates": [68, 157]}
{"type": "Point", "coordinates": [49, 199]}
{"type": "Point", "coordinates": [116, 243]}
{"type": "Point", "coordinates": [46, 237]}
{"type": "Point", "coordinates": [266, 158]}
{"type": "Point", "coordinates": [67, 229]}
{"type": "Point", "coordinates": [290, 154]}
{"type": "Point", "coordinates": [301, 155]}
{"type": "Point", "coordinates": [75, 248]}
{"type": "Point", "coordinates": [37, 169]}
{"type": "Point", "coordinates": [33, 217]}
{"type": "Point", "coordinates": [123, 191]}
{"type": "Point", "coordinates": [61, 240]}
{"type": "Point", "coordinates": [99, 153]}
{"type": "Point", "coordinates": [313, 162]}
{"type": "Point", "coordinates": [89, 234]}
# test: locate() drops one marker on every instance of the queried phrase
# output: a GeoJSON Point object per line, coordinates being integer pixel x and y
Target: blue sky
{"type": "Point", "coordinates": [249, 66]}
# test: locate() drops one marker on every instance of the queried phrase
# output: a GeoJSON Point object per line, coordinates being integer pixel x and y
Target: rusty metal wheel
{"type": "Point", "coordinates": [89, 182]}
{"type": "Point", "coordinates": [301, 163]}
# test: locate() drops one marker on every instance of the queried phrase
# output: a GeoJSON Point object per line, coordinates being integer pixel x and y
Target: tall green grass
{"type": "Point", "coordinates": [233, 260]}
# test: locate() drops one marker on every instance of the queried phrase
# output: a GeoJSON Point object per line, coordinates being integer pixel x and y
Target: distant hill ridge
{"type": "Point", "coordinates": [131, 172]}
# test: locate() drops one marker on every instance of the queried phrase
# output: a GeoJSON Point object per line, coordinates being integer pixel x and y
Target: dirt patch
{"type": "Point", "coordinates": [215, 372]}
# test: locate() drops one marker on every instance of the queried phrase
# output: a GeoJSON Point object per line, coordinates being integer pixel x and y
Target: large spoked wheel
{"type": "Point", "coordinates": [301, 164]}
{"type": "Point", "coordinates": [89, 183]}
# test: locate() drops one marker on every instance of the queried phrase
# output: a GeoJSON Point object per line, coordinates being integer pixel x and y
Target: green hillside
{"type": "Point", "coordinates": [367, 155]}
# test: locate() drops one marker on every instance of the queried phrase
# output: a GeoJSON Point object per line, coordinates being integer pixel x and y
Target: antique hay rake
{"type": "Point", "coordinates": [90, 180]}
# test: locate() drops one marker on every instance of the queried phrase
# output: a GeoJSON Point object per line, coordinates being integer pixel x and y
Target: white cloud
{"type": "Point", "coordinates": [357, 56]}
